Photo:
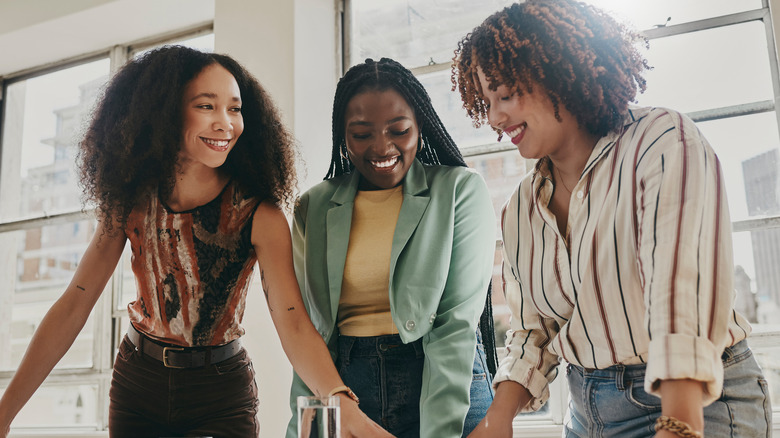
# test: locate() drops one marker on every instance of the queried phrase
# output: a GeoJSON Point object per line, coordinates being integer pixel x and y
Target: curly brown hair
{"type": "Point", "coordinates": [132, 145]}
{"type": "Point", "coordinates": [579, 55]}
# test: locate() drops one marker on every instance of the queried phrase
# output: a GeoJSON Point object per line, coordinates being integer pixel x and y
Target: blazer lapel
{"type": "Point", "coordinates": [338, 222]}
{"type": "Point", "coordinates": [416, 198]}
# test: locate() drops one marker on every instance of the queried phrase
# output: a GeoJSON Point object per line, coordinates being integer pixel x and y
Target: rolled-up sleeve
{"type": "Point", "coordinates": [685, 255]}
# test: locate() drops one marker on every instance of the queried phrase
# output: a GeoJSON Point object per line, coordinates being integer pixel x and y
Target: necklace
{"type": "Point", "coordinates": [562, 182]}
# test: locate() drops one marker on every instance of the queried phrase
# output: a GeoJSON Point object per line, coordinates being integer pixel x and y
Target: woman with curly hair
{"type": "Point", "coordinates": [187, 159]}
{"type": "Point", "coordinates": [394, 254]}
{"type": "Point", "coordinates": [617, 245]}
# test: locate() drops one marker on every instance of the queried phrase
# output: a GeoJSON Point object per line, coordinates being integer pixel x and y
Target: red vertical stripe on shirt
{"type": "Point", "coordinates": [600, 297]}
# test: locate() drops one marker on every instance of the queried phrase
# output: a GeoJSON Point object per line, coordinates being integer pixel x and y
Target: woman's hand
{"type": "Point", "coordinates": [355, 423]}
{"type": "Point", "coordinates": [509, 399]}
{"type": "Point", "coordinates": [492, 429]}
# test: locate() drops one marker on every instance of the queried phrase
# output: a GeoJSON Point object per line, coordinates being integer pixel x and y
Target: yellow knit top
{"type": "Point", "coordinates": [364, 306]}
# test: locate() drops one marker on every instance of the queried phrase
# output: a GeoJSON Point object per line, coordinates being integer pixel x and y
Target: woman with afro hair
{"type": "Point", "coordinates": [186, 158]}
{"type": "Point", "coordinates": [617, 255]}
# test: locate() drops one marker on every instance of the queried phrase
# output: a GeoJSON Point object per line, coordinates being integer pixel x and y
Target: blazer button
{"type": "Point", "coordinates": [410, 325]}
{"type": "Point", "coordinates": [433, 318]}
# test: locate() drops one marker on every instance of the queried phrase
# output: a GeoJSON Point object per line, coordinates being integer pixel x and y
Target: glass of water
{"type": "Point", "coordinates": [319, 417]}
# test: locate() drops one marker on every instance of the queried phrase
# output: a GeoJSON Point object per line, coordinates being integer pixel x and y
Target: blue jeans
{"type": "Point", "coordinates": [387, 376]}
{"type": "Point", "coordinates": [613, 403]}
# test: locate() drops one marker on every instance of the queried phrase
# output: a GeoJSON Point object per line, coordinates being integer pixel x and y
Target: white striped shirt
{"type": "Point", "coordinates": [648, 274]}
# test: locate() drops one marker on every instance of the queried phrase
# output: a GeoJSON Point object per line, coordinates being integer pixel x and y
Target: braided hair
{"type": "Point", "coordinates": [388, 74]}
{"type": "Point", "coordinates": [437, 146]}
{"type": "Point", "coordinates": [581, 57]}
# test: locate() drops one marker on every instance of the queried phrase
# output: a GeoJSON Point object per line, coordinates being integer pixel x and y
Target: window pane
{"type": "Point", "coordinates": [757, 277]}
{"type": "Point", "coordinates": [59, 405]}
{"type": "Point", "coordinates": [450, 109]}
{"type": "Point", "coordinates": [502, 172]}
{"type": "Point", "coordinates": [414, 32]}
{"type": "Point", "coordinates": [745, 146]}
{"type": "Point", "coordinates": [44, 119]}
{"type": "Point", "coordinates": [709, 69]}
{"type": "Point", "coordinates": [41, 262]}
{"type": "Point", "coordinates": [648, 14]}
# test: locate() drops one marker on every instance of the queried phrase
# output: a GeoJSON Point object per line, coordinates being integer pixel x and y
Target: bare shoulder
{"type": "Point", "coordinates": [108, 235]}
{"type": "Point", "coordinates": [269, 222]}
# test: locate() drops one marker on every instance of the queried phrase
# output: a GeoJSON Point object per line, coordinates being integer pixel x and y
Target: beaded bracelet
{"type": "Point", "coordinates": [677, 427]}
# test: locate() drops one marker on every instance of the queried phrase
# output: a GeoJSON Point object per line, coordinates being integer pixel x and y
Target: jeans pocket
{"type": "Point", "coordinates": [126, 349]}
{"type": "Point", "coordinates": [636, 395]}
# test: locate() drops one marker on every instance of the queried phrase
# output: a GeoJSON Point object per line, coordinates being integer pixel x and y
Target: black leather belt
{"type": "Point", "coordinates": [174, 356]}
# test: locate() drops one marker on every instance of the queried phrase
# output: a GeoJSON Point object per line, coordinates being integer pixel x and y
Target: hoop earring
{"type": "Point", "coordinates": [343, 149]}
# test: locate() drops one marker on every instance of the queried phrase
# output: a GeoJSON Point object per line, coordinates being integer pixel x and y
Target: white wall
{"type": "Point", "coordinates": [290, 46]}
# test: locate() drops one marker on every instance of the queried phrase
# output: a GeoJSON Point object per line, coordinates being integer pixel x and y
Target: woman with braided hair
{"type": "Point", "coordinates": [394, 254]}
{"type": "Point", "coordinates": [617, 245]}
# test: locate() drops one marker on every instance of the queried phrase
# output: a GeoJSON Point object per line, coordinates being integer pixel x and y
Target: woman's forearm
{"type": "Point", "coordinates": [682, 399]}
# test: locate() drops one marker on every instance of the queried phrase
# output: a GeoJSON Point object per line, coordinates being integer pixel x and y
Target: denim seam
{"type": "Point", "coordinates": [762, 383]}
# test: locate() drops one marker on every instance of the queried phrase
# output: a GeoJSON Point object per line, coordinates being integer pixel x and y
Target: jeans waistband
{"type": "Point", "coordinates": [621, 372]}
{"type": "Point", "coordinates": [735, 350]}
{"type": "Point", "coordinates": [385, 345]}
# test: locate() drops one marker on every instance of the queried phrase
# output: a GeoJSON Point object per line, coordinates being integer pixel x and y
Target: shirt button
{"type": "Point", "coordinates": [433, 318]}
{"type": "Point", "coordinates": [410, 325]}
{"type": "Point", "coordinates": [580, 195]}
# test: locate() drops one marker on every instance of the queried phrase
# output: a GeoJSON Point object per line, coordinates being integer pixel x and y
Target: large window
{"type": "Point", "coordinates": [713, 59]}
{"type": "Point", "coordinates": [44, 232]}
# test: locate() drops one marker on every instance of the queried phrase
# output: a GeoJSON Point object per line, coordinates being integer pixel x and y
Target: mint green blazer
{"type": "Point", "coordinates": [440, 265]}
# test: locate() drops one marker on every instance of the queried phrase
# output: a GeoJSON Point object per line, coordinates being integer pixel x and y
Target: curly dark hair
{"type": "Point", "coordinates": [582, 58]}
{"type": "Point", "coordinates": [132, 144]}
{"type": "Point", "coordinates": [388, 74]}
{"type": "Point", "coordinates": [438, 146]}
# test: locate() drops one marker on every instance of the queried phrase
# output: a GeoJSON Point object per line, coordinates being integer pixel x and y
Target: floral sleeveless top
{"type": "Point", "coordinates": [192, 268]}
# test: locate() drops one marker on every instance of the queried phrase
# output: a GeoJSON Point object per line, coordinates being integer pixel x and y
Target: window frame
{"type": "Point", "coordinates": [550, 425]}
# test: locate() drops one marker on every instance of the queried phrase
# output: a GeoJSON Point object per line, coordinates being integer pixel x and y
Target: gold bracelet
{"type": "Point", "coordinates": [346, 390]}
{"type": "Point", "coordinates": [677, 427]}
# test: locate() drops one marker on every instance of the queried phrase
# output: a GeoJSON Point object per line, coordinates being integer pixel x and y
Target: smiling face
{"type": "Point", "coordinates": [382, 137]}
{"type": "Point", "coordinates": [529, 120]}
{"type": "Point", "coordinates": [212, 120]}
